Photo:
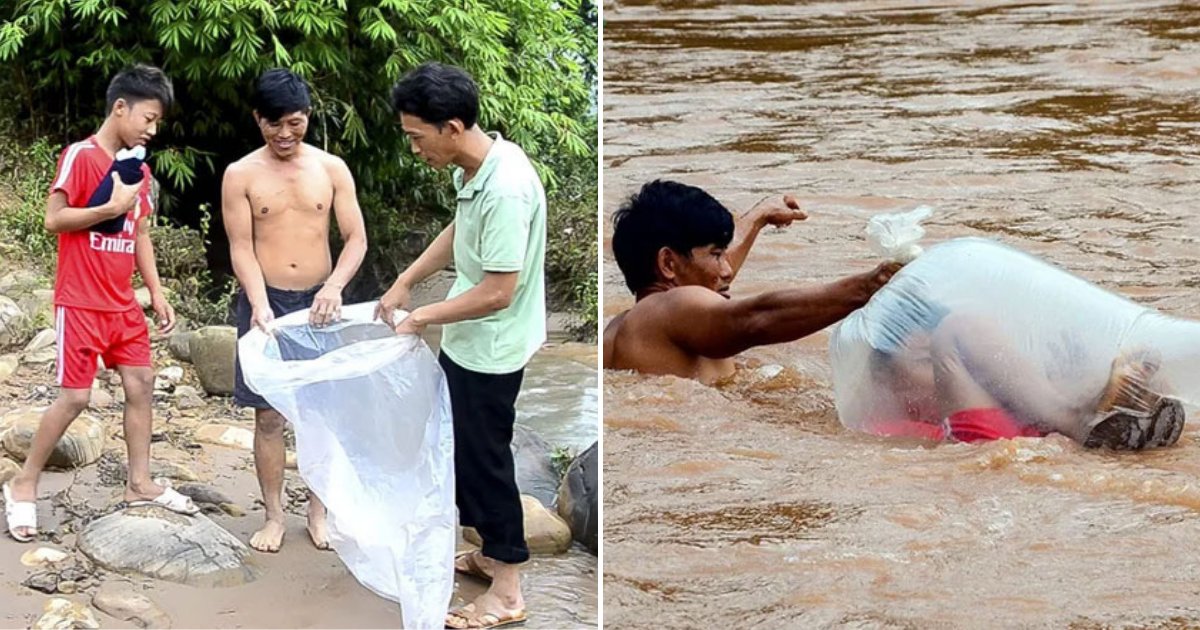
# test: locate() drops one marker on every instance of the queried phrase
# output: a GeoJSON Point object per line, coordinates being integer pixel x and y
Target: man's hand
{"type": "Point", "coordinates": [260, 316]}
{"type": "Point", "coordinates": [779, 211]}
{"type": "Point", "coordinates": [327, 306]}
{"type": "Point", "coordinates": [881, 275]}
{"type": "Point", "coordinates": [123, 197]}
{"type": "Point", "coordinates": [414, 324]}
{"type": "Point", "coordinates": [163, 311]}
{"type": "Point", "coordinates": [396, 297]}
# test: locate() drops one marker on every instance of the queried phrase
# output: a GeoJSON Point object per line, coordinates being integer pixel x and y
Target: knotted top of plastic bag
{"type": "Point", "coordinates": [895, 236]}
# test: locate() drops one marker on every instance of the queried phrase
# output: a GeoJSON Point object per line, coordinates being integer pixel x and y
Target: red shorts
{"type": "Point", "coordinates": [83, 335]}
{"type": "Point", "coordinates": [977, 425]}
{"type": "Point", "coordinates": [968, 425]}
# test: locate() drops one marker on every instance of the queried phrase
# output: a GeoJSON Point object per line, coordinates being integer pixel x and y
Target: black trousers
{"type": "Point", "coordinates": [483, 406]}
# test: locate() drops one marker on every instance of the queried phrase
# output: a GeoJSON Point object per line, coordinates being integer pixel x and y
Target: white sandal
{"type": "Point", "coordinates": [20, 514]}
{"type": "Point", "coordinates": [170, 499]}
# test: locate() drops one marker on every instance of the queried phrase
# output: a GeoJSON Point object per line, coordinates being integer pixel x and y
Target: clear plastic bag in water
{"type": "Point", "coordinates": [1047, 347]}
{"type": "Point", "coordinates": [374, 441]}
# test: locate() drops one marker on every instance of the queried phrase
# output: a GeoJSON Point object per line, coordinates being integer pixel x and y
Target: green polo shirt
{"type": "Point", "coordinates": [500, 226]}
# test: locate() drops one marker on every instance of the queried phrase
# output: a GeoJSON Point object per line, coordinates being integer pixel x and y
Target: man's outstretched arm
{"type": "Point", "coordinates": [711, 326]}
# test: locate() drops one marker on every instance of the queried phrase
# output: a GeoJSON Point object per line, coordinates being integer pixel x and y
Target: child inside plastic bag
{"type": "Point", "coordinates": [977, 341]}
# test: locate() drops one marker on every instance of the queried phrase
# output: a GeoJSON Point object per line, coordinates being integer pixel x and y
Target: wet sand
{"type": "Point", "coordinates": [1066, 131]}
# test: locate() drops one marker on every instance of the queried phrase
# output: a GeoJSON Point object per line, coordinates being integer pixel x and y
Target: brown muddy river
{"type": "Point", "coordinates": [1068, 131]}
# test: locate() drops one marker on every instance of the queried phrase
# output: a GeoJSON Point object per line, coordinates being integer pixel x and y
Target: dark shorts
{"type": "Point", "coordinates": [282, 302]}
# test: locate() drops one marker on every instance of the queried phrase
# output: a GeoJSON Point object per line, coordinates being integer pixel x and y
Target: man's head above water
{"type": "Point", "coordinates": [671, 234]}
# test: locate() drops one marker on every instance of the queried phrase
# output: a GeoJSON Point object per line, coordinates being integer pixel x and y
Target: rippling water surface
{"type": "Point", "coordinates": [1067, 131]}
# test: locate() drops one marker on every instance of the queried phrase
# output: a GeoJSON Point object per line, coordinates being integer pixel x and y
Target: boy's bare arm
{"type": "Point", "coordinates": [148, 268]}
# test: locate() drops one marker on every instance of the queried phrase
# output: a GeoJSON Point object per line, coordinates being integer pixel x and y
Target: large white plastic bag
{"type": "Point", "coordinates": [1069, 330]}
{"type": "Point", "coordinates": [374, 441]}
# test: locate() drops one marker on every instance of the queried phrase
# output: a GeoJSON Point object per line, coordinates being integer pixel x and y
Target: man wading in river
{"type": "Point", "coordinates": [679, 250]}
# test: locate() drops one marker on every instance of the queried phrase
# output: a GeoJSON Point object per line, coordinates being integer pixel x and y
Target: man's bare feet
{"type": "Point", "coordinates": [488, 611]}
{"type": "Point", "coordinates": [270, 537]}
{"type": "Point", "coordinates": [316, 523]}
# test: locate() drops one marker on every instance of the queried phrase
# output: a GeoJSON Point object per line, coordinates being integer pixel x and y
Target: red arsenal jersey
{"type": "Point", "coordinates": [95, 270]}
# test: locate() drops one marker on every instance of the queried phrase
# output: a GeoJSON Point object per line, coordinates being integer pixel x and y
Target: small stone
{"type": "Point", "coordinates": [73, 574]}
{"type": "Point", "coordinates": [120, 396]}
{"type": "Point", "coordinates": [127, 605]}
{"type": "Point", "coordinates": [11, 320]}
{"type": "Point", "coordinates": [46, 582]}
{"type": "Point", "coordinates": [142, 294]}
{"type": "Point", "coordinates": [232, 509]}
{"type": "Point", "coordinates": [173, 373]}
{"type": "Point", "coordinates": [100, 399]}
{"type": "Point", "coordinates": [114, 379]}
{"type": "Point", "coordinates": [237, 437]}
{"type": "Point", "coordinates": [289, 461]}
{"type": "Point", "coordinates": [44, 339]}
{"type": "Point", "coordinates": [42, 556]}
{"type": "Point", "coordinates": [45, 355]}
{"type": "Point", "coordinates": [62, 613]}
{"type": "Point", "coordinates": [8, 469]}
{"type": "Point", "coordinates": [67, 587]}
{"type": "Point", "coordinates": [8, 366]}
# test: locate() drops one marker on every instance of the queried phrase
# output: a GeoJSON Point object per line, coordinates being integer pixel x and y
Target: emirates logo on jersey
{"type": "Point", "coordinates": [111, 244]}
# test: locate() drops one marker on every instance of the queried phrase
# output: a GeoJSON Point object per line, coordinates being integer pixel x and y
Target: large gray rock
{"type": "Point", "coordinates": [125, 604]}
{"type": "Point", "coordinates": [81, 445]}
{"type": "Point", "coordinates": [535, 470]}
{"type": "Point", "coordinates": [158, 543]}
{"type": "Point", "coordinates": [212, 350]}
{"type": "Point", "coordinates": [578, 498]}
{"type": "Point", "coordinates": [180, 345]}
{"type": "Point", "coordinates": [11, 321]}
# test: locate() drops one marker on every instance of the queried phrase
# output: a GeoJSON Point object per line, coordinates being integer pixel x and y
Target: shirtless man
{"type": "Point", "coordinates": [276, 205]}
{"type": "Point", "coordinates": [679, 249]}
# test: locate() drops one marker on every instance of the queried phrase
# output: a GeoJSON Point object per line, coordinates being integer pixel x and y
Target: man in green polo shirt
{"type": "Point", "coordinates": [493, 320]}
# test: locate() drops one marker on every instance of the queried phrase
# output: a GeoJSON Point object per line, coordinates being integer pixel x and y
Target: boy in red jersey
{"type": "Point", "coordinates": [96, 314]}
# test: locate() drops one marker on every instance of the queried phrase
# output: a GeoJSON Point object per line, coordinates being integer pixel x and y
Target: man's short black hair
{"type": "Point", "coordinates": [140, 82]}
{"type": "Point", "coordinates": [437, 93]}
{"type": "Point", "coordinates": [665, 214]}
{"type": "Point", "coordinates": [280, 92]}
